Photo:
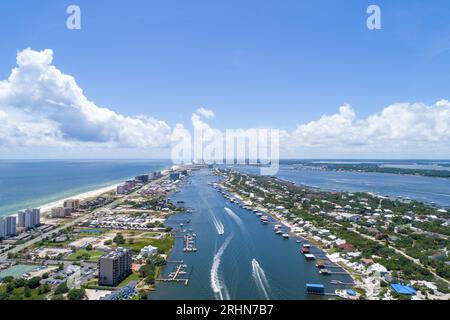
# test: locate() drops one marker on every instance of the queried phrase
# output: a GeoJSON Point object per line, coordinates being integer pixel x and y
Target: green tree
{"type": "Point", "coordinates": [7, 279]}
{"type": "Point", "coordinates": [4, 295]}
{"type": "Point", "coordinates": [34, 282]}
{"type": "Point", "coordinates": [119, 239]}
{"type": "Point", "coordinates": [61, 289]}
{"type": "Point", "coordinates": [43, 289]}
{"type": "Point", "coordinates": [27, 292]}
{"type": "Point", "coordinates": [76, 294]}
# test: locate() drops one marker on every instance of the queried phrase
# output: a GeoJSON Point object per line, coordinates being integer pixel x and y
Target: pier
{"type": "Point", "coordinates": [189, 243]}
{"type": "Point", "coordinates": [173, 276]}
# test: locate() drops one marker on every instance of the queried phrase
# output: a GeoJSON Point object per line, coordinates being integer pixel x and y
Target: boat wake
{"type": "Point", "coordinates": [234, 216]}
{"type": "Point", "coordinates": [219, 288]}
{"type": "Point", "coordinates": [219, 226]}
{"type": "Point", "coordinates": [260, 279]}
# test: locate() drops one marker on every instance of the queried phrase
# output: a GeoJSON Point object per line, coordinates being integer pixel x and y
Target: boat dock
{"type": "Point", "coordinates": [174, 276]}
{"type": "Point", "coordinates": [189, 243]}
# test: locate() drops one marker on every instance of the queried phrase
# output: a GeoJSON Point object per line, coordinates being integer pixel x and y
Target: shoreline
{"type": "Point", "coordinates": [47, 207]}
{"type": "Point", "coordinates": [300, 236]}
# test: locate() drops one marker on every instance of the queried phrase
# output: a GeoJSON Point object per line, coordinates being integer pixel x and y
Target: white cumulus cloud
{"type": "Point", "coordinates": [206, 113]}
{"type": "Point", "coordinates": [40, 105]}
{"type": "Point", "coordinates": [408, 128]}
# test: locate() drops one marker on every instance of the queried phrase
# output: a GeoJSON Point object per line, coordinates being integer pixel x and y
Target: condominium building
{"type": "Point", "coordinates": [8, 227]}
{"type": "Point", "coordinates": [29, 218]}
{"type": "Point", "coordinates": [2, 229]}
{"type": "Point", "coordinates": [61, 212]}
{"type": "Point", "coordinates": [143, 178]}
{"type": "Point", "coordinates": [113, 267]}
{"type": "Point", "coordinates": [72, 204]}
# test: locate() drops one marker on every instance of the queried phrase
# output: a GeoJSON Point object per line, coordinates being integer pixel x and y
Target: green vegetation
{"type": "Point", "coordinates": [164, 244]}
{"type": "Point", "coordinates": [76, 294]}
{"type": "Point", "coordinates": [368, 167]}
{"type": "Point", "coordinates": [151, 268]}
{"type": "Point", "coordinates": [413, 227]}
{"type": "Point", "coordinates": [119, 239]}
{"type": "Point", "coordinates": [132, 277]}
{"type": "Point", "coordinates": [20, 289]}
{"type": "Point", "coordinates": [61, 289]}
{"type": "Point", "coordinates": [87, 255]}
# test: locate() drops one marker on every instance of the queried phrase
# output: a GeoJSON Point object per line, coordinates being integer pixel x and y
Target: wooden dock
{"type": "Point", "coordinates": [175, 278]}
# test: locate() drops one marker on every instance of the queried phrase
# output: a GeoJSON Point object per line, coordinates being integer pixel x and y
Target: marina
{"type": "Point", "coordinates": [230, 263]}
{"type": "Point", "coordinates": [190, 243]}
{"type": "Point", "coordinates": [180, 270]}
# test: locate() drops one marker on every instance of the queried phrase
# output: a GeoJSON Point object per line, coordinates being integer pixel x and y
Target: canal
{"type": "Point", "coordinates": [237, 256]}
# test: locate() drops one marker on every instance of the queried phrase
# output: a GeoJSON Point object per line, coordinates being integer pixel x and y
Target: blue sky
{"type": "Point", "coordinates": [255, 63]}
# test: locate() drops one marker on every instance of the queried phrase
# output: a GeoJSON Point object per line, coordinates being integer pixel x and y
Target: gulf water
{"type": "Point", "coordinates": [32, 183]}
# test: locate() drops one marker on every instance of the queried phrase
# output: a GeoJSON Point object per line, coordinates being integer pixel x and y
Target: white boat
{"type": "Point", "coordinates": [285, 235]}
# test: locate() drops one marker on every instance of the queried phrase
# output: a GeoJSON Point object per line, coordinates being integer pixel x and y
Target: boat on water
{"type": "Point", "coordinates": [320, 264]}
{"type": "Point", "coordinates": [264, 219]}
{"type": "Point", "coordinates": [259, 214]}
{"type": "Point", "coordinates": [325, 272]}
{"type": "Point", "coordinates": [298, 241]}
{"type": "Point", "coordinates": [279, 232]}
{"type": "Point", "coordinates": [309, 256]}
{"type": "Point", "coordinates": [285, 235]}
{"type": "Point", "coordinates": [305, 249]}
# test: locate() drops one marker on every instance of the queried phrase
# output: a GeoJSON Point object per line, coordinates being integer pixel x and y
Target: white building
{"type": "Point", "coordinates": [72, 204]}
{"type": "Point", "coordinates": [378, 270]}
{"type": "Point", "coordinates": [147, 251]}
{"type": "Point", "coordinates": [61, 212]}
{"type": "Point", "coordinates": [8, 227]}
{"type": "Point", "coordinates": [29, 218]}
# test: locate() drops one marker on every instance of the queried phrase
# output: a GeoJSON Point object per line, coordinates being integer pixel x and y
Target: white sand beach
{"type": "Point", "coordinates": [46, 208]}
{"type": "Point", "coordinates": [83, 196]}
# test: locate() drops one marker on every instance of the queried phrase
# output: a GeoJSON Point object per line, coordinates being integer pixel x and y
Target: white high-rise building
{"type": "Point", "coordinates": [11, 229]}
{"type": "Point", "coordinates": [29, 218]}
{"type": "Point", "coordinates": [2, 228]}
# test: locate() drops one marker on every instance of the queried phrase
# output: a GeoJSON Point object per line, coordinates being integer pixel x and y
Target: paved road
{"type": "Point", "coordinates": [416, 261]}
{"type": "Point", "coordinates": [41, 237]}
{"type": "Point", "coordinates": [20, 247]}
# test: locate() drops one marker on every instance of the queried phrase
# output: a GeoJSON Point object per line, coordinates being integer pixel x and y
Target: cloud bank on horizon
{"type": "Point", "coordinates": [41, 107]}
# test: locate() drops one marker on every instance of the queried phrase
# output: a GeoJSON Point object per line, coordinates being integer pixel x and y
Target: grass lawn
{"type": "Point", "coordinates": [17, 294]}
{"type": "Point", "coordinates": [132, 277]}
{"type": "Point", "coordinates": [94, 255]}
{"type": "Point", "coordinates": [165, 243]}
